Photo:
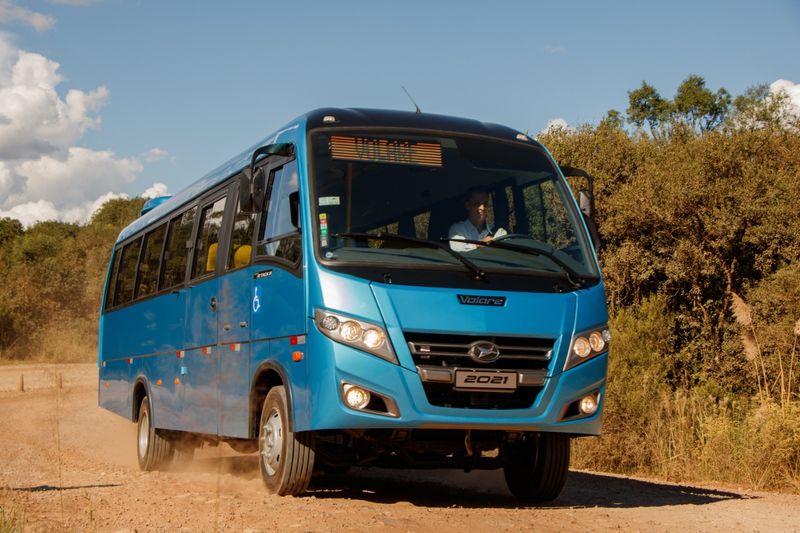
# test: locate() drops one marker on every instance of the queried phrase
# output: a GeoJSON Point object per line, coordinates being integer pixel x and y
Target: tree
{"type": "Point", "coordinates": [118, 212]}
{"type": "Point", "coordinates": [698, 107]}
{"type": "Point", "coordinates": [647, 105]}
{"type": "Point", "coordinates": [10, 229]}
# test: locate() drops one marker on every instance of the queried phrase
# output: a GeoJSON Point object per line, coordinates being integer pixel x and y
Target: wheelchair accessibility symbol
{"type": "Point", "coordinates": [256, 301]}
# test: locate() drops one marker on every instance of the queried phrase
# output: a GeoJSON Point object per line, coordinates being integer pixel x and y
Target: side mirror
{"type": "Point", "coordinates": [257, 177]}
{"type": "Point", "coordinates": [259, 188]}
{"type": "Point", "coordinates": [585, 201]}
{"type": "Point", "coordinates": [294, 208]}
{"type": "Point", "coordinates": [245, 196]}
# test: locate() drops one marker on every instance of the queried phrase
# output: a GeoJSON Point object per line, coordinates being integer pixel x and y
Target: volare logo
{"type": "Point", "coordinates": [496, 301]}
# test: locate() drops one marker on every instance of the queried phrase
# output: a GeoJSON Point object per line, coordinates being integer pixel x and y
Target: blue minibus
{"type": "Point", "coordinates": [364, 288]}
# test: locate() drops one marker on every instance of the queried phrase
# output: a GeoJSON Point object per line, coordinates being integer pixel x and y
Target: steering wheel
{"type": "Point", "coordinates": [508, 236]}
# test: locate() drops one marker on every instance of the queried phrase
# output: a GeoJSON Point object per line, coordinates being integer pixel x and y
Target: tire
{"type": "Point", "coordinates": [286, 458]}
{"type": "Point", "coordinates": [153, 450]}
{"type": "Point", "coordinates": [536, 467]}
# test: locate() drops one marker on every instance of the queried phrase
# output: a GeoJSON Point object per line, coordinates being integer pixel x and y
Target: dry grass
{"type": "Point", "coordinates": [9, 522]}
{"type": "Point", "coordinates": [692, 435]}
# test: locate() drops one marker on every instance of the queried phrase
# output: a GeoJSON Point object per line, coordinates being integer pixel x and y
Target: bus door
{"type": "Point", "coordinates": [235, 308]}
{"type": "Point", "coordinates": [201, 367]}
{"type": "Point", "coordinates": [278, 289]}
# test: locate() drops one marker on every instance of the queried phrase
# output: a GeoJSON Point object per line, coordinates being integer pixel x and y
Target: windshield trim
{"type": "Point", "coordinates": [591, 260]}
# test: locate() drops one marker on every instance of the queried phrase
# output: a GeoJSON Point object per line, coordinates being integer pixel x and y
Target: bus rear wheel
{"type": "Point", "coordinates": [536, 467]}
{"type": "Point", "coordinates": [286, 457]}
{"type": "Point", "coordinates": [153, 450]}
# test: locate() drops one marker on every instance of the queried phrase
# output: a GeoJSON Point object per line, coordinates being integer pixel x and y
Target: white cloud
{"type": "Point", "coordinates": [155, 154]}
{"type": "Point", "coordinates": [555, 124]}
{"type": "Point", "coordinates": [35, 119]}
{"type": "Point", "coordinates": [791, 89]}
{"type": "Point", "coordinates": [81, 175]}
{"type": "Point", "coordinates": [31, 212]}
{"type": "Point", "coordinates": [554, 49]}
{"type": "Point", "coordinates": [158, 189]}
{"type": "Point", "coordinates": [43, 175]}
{"type": "Point", "coordinates": [9, 12]}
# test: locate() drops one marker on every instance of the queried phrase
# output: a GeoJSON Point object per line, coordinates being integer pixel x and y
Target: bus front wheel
{"type": "Point", "coordinates": [286, 457]}
{"type": "Point", "coordinates": [154, 450]}
{"type": "Point", "coordinates": [536, 467]}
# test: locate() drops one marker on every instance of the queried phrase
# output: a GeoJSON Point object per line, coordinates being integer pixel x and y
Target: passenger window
{"type": "Point", "coordinates": [205, 249]}
{"type": "Point", "coordinates": [112, 279]}
{"type": "Point", "coordinates": [278, 236]}
{"type": "Point", "coordinates": [127, 272]}
{"type": "Point", "coordinates": [151, 258]}
{"type": "Point", "coordinates": [178, 235]}
{"type": "Point", "coordinates": [241, 240]}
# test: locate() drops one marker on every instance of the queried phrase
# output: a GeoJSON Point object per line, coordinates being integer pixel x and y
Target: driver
{"type": "Point", "coordinates": [475, 227]}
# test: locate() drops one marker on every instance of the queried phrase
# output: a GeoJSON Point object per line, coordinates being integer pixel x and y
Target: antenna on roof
{"type": "Point", "coordinates": [419, 111]}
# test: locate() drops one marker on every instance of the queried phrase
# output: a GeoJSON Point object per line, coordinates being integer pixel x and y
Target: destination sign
{"type": "Point", "coordinates": [395, 151]}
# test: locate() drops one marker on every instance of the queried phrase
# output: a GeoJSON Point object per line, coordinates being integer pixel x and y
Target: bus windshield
{"type": "Point", "coordinates": [418, 201]}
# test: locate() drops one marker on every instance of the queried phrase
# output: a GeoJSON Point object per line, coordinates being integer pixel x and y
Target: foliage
{"type": "Point", "coordinates": [51, 280]}
{"type": "Point", "coordinates": [701, 243]}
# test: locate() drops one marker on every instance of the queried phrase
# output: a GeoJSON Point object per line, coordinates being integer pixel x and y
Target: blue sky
{"type": "Point", "coordinates": [164, 91]}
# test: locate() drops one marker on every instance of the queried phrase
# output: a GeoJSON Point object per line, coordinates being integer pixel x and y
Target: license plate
{"type": "Point", "coordinates": [481, 379]}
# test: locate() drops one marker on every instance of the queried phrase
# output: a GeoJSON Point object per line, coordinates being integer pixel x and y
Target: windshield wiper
{"type": "Point", "coordinates": [574, 279]}
{"type": "Point", "coordinates": [381, 236]}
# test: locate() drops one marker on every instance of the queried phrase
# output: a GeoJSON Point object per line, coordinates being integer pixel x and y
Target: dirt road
{"type": "Point", "coordinates": [66, 464]}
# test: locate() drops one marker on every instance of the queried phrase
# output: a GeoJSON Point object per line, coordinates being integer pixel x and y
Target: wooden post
{"type": "Point", "coordinates": [60, 381]}
{"type": "Point", "coordinates": [21, 387]}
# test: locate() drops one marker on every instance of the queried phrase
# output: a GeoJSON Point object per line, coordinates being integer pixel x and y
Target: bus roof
{"type": "Point", "coordinates": [319, 118]}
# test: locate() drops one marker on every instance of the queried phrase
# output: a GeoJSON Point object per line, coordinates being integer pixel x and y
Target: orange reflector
{"type": "Point", "coordinates": [297, 356]}
{"type": "Point", "coordinates": [130, 360]}
{"type": "Point", "coordinates": [179, 354]}
{"type": "Point", "coordinates": [105, 384]}
{"type": "Point", "coordinates": [158, 382]}
{"type": "Point", "coordinates": [207, 350]}
{"type": "Point", "coordinates": [236, 347]}
{"type": "Point", "coordinates": [177, 381]}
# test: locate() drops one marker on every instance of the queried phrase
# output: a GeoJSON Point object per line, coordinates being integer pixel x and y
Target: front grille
{"type": "Point", "coordinates": [516, 353]}
{"type": "Point", "coordinates": [530, 357]}
{"type": "Point", "coordinates": [444, 395]}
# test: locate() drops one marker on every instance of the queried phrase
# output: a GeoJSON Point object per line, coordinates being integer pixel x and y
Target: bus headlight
{"type": "Point", "coordinates": [350, 331]}
{"type": "Point", "coordinates": [586, 345]}
{"type": "Point", "coordinates": [365, 336]}
{"type": "Point", "coordinates": [373, 338]}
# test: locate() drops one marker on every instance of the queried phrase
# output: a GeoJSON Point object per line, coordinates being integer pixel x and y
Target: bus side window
{"type": "Point", "coordinates": [278, 236]}
{"type": "Point", "coordinates": [148, 267]}
{"type": "Point", "coordinates": [241, 240]}
{"type": "Point", "coordinates": [205, 249]}
{"type": "Point", "coordinates": [112, 279]}
{"type": "Point", "coordinates": [127, 272]}
{"type": "Point", "coordinates": [175, 251]}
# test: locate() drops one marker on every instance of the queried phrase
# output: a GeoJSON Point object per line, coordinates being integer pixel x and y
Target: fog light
{"type": "Point", "coordinates": [588, 404]}
{"type": "Point", "coordinates": [350, 331]}
{"type": "Point", "coordinates": [356, 397]}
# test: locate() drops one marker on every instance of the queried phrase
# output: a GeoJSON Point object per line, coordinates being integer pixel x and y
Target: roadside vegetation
{"type": "Point", "coordinates": [697, 207]}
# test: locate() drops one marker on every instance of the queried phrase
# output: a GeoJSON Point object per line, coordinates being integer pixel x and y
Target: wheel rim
{"type": "Point", "coordinates": [144, 434]}
{"type": "Point", "coordinates": [272, 442]}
